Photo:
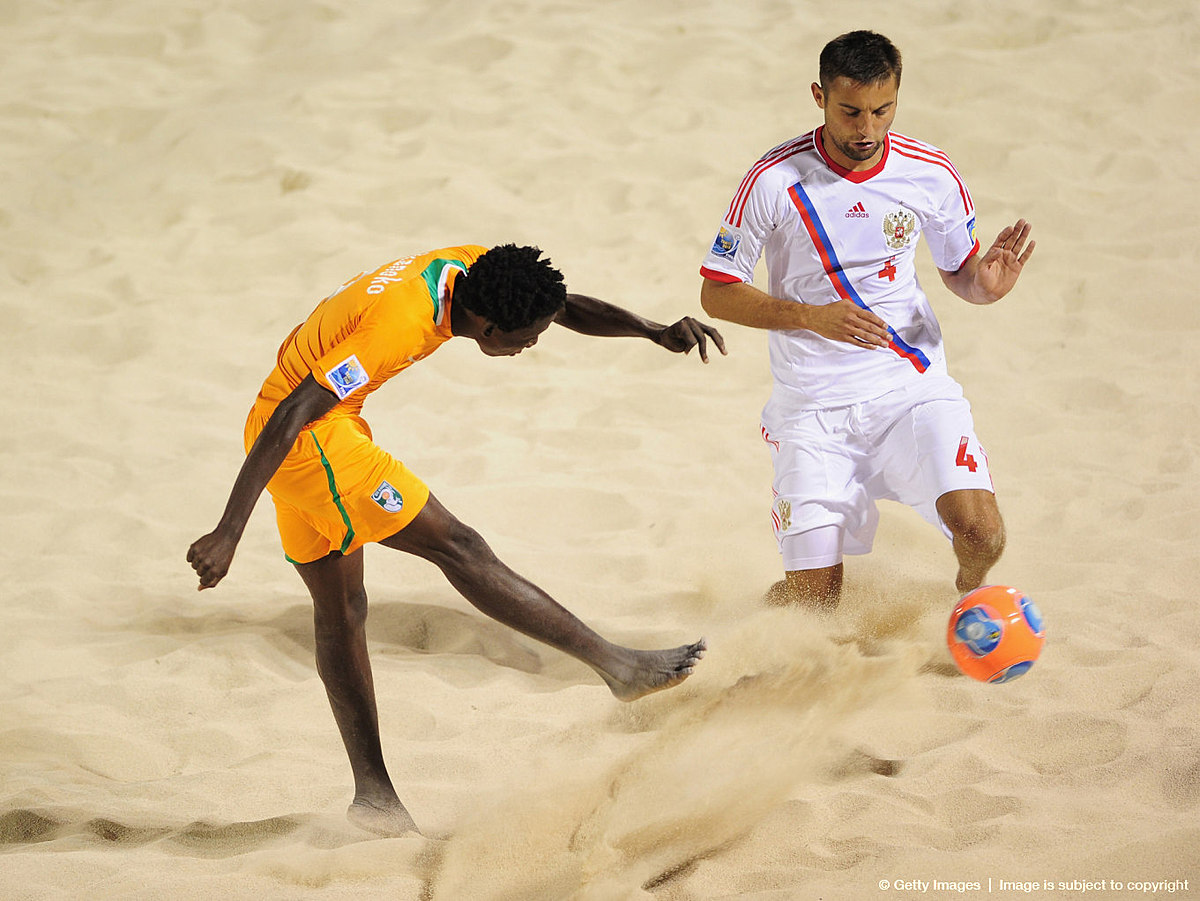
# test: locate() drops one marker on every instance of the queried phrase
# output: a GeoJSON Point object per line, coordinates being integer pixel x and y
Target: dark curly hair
{"type": "Point", "coordinates": [862, 56]}
{"type": "Point", "coordinates": [512, 287]}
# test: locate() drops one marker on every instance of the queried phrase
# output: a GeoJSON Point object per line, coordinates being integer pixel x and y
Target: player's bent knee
{"type": "Point", "coordinates": [438, 536]}
{"type": "Point", "coordinates": [974, 520]}
{"type": "Point", "coordinates": [462, 545]}
{"type": "Point", "coordinates": [983, 535]}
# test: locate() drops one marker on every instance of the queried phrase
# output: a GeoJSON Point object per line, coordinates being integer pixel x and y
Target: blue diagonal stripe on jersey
{"type": "Point", "coordinates": [837, 276]}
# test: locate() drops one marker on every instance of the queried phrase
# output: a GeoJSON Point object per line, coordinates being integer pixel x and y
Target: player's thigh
{"type": "Point", "coordinates": [812, 550]}
{"type": "Point", "coordinates": [930, 451]}
{"type": "Point", "coordinates": [335, 580]}
{"type": "Point", "coordinates": [817, 473]}
{"type": "Point", "coordinates": [437, 535]}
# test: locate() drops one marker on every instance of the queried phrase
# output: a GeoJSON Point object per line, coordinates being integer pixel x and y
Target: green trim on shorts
{"type": "Point", "coordinates": [337, 498]}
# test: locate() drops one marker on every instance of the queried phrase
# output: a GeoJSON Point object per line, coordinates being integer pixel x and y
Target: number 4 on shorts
{"type": "Point", "coordinates": [963, 458]}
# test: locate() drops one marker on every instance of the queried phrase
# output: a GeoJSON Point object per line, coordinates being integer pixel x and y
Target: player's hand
{"type": "Point", "coordinates": [210, 557]}
{"type": "Point", "coordinates": [1001, 265]}
{"type": "Point", "coordinates": [688, 333]}
{"type": "Point", "coordinates": [846, 321]}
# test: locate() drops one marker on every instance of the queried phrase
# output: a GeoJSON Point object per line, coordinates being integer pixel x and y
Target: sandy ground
{"type": "Point", "coordinates": [180, 183]}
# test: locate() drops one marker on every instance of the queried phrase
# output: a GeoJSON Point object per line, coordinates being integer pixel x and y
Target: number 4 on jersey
{"type": "Point", "coordinates": [963, 458]}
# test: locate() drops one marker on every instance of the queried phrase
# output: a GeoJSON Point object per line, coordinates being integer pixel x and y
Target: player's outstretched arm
{"type": "Point", "coordinates": [211, 555]}
{"type": "Point", "coordinates": [747, 305]}
{"type": "Point", "coordinates": [591, 316]}
{"type": "Point", "coordinates": [985, 280]}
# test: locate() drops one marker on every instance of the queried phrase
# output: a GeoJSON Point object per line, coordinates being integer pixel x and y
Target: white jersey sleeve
{"type": "Point", "coordinates": [951, 239]}
{"type": "Point", "coordinates": [752, 216]}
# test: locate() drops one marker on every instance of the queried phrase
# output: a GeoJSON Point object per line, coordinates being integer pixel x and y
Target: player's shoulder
{"type": "Point", "coordinates": [469, 253]}
{"type": "Point", "coordinates": [460, 253]}
{"type": "Point", "coordinates": [783, 159]}
{"type": "Point", "coordinates": [914, 145]}
{"type": "Point", "coordinates": [773, 172]}
{"type": "Point", "coordinates": [921, 156]}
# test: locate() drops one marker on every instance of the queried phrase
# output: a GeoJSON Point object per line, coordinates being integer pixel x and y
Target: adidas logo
{"type": "Point", "coordinates": [858, 211]}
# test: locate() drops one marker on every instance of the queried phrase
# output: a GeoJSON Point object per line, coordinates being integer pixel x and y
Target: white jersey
{"type": "Point", "coordinates": [829, 234]}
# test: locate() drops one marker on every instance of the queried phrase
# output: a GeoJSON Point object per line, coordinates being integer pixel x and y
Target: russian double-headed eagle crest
{"type": "Point", "coordinates": [784, 506]}
{"type": "Point", "coordinates": [899, 228]}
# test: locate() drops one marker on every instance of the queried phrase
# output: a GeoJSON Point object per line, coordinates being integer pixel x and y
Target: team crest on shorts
{"type": "Point", "coordinates": [347, 377]}
{"type": "Point", "coordinates": [899, 228]}
{"type": "Point", "coordinates": [784, 512]}
{"type": "Point", "coordinates": [726, 244]}
{"type": "Point", "coordinates": [388, 498]}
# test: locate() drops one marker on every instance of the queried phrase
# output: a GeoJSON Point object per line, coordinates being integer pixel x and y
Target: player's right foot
{"type": "Point", "coordinates": [650, 671]}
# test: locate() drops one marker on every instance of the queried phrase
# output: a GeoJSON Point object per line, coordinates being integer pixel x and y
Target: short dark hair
{"type": "Point", "coordinates": [512, 287]}
{"type": "Point", "coordinates": [862, 56]}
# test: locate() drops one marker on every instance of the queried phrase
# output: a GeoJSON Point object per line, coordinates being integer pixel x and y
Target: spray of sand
{"type": "Point", "coordinates": [765, 716]}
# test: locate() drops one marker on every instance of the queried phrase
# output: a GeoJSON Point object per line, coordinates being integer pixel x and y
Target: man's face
{"type": "Point", "coordinates": [497, 343]}
{"type": "Point", "coordinates": [857, 117]}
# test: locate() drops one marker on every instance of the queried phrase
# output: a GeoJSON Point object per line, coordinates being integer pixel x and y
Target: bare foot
{"type": "Point", "coordinates": [967, 581]}
{"type": "Point", "coordinates": [650, 671]}
{"type": "Point", "coordinates": [389, 821]}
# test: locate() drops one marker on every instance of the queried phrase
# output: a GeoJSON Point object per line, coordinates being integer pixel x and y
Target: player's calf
{"type": "Point", "coordinates": [977, 528]}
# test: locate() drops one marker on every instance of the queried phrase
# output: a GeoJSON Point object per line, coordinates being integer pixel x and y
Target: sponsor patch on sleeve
{"type": "Point", "coordinates": [971, 230]}
{"type": "Point", "coordinates": [347, 377]}
{"type": "Point", "coordinates": [726, 243]}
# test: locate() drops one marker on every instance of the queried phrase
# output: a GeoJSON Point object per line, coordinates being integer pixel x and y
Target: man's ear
{"type": "Point", "coordinates": [487, 332]}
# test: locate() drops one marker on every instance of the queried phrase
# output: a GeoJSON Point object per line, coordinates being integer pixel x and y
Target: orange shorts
{"type": "Point", "coordinates": [337, 490]}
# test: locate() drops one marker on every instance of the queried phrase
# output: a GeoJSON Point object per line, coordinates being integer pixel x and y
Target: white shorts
{"type": "Point", "coordinates": [911, 445]}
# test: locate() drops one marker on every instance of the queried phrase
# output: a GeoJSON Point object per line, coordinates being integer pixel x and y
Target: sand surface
{"type": "Point", "coordinates": [181, 182]}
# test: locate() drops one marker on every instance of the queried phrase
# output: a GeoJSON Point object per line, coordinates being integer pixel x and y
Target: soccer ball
{"type": "Point", "coordinates": [995, 634]}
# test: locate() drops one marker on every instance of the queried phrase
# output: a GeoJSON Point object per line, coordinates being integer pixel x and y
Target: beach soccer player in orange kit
{"type": "Point", "coordinates": [335, 490]}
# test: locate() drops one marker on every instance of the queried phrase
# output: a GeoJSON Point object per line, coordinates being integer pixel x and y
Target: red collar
{"type": "Point", "coordinates": [848, 174]}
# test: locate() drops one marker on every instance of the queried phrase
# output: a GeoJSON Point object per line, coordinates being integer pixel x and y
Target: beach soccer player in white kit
{"type": "Point", "coordinates": [862, 406]}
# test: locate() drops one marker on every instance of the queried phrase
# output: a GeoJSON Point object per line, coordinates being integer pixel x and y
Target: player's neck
{"type": "Point", "coordinates": [834, 154]}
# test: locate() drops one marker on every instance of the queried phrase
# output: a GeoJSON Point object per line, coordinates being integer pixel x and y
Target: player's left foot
{"type": "Point", "coordinates": [389, 821]}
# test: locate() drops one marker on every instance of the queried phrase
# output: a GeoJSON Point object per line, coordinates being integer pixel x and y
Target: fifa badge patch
{"type": "Point", "coordinates": [899, 228]}
{"type": "Point", "coordinates": [388, 498]}
{"type": "Point", "coordinates": [347, 377]}
{"type": "Point", "coordinates": [726, 244]}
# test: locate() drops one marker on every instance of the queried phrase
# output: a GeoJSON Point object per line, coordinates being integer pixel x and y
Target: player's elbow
{"type": "Point", "coordinates": [282, 429]}
{"type": "Point", "coordinates": [712, 300]}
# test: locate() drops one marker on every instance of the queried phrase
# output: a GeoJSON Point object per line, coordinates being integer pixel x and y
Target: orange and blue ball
{"type": "Point", "coordinates": [995, 634]}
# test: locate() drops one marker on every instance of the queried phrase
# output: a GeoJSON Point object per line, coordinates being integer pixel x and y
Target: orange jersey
{"type": "Point", "coordinates": [373, 327]}
{"type": "Point", "coordinates": [337, 490]}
